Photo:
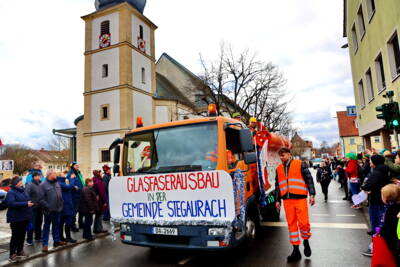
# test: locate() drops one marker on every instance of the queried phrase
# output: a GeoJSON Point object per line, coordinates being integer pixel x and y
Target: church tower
{"type": "Point", "coordinates": [119, 78]}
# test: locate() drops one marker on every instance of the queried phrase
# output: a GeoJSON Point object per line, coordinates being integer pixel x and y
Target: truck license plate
{"type": "Point", "coordinates": [165, 231]}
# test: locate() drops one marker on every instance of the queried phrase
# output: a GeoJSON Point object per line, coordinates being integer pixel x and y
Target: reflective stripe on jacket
{"type": "Point", "coordinates": [293, 182]}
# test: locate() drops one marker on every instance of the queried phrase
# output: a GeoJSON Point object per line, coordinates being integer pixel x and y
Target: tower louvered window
{"type": "Point", "coordinates": [105, 27]}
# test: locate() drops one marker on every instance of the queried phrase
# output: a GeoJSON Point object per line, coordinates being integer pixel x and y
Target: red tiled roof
{"type": "Point", "coordinates": [347, 124]}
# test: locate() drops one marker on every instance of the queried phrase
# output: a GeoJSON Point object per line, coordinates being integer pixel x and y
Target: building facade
{"type": "Point", "coordinates": [302, 149]}
{"type": "Point", "coordinates": [372, 29]}
{"type": "Point", "coordinates": [350, 141]}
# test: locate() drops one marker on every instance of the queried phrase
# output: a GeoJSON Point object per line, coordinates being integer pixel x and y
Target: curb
{"type": "Point", "coordinates": [53, 250]}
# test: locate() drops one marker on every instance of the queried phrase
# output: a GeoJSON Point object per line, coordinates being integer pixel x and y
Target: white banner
{"type": "Point", "coordinates": [167, 198]}
{"type": "Point", "coordinates": [6, 165]}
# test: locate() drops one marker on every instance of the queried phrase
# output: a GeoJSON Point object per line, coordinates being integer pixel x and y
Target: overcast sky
{"type": "Point", "coordinates": [42, 45]}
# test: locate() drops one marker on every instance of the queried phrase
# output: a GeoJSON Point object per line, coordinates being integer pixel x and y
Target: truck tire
{"type": "Point", "coordinates": [252, 225]}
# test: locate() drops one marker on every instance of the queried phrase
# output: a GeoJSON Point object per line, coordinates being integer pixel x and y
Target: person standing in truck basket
{"type": "Point", "coordinates": [293, 183]}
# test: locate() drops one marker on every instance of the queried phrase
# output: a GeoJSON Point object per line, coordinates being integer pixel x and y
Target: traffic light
{"type": "Point", "coordinates": [384, 112]}
{"type": "Point", "coordinates": [390, 113]}
{"type": "Point", "coordinates": [394, 114]}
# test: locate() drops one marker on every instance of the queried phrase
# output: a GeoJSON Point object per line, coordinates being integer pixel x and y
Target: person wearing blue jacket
{"type": "Point", "coordinates": [36, 169]}
{"type": "Point", "coordinates": [67, 214]}
{"type": "Point", "coordinates": [19, 214]}
{"type": "Point", "coordinates": [74, 172]}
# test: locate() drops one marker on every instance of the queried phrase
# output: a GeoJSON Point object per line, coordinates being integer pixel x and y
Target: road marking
{"type": "Point", "coordinates": [4, 234]}
{"type": "Point", "coordinates": [320, 215]}
{"type": "Point", "coordinates": [345, 215]}
{"type": "Point", "coordinates": [337, 201]}
{"type": "Point", "coordinates": [321, 225]}
{"type": "Point", "coordinates": [184, 261]}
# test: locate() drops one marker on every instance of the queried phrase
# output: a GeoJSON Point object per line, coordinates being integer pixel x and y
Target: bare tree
{"type": "Point", "coordinates": [22, 156]}
{"type": "Point", "coordinates": [243, 83]}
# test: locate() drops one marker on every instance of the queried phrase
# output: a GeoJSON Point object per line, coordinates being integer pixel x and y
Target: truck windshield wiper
{"type": "Point", "coordinates": [169, 169]}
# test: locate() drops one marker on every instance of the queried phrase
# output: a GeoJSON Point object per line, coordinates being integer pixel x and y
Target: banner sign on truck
{"type": "Point", "coordinates": [168, 198]}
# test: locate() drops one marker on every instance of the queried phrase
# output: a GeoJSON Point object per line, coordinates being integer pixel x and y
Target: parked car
{"type": "Point", "coordinates": [5, 184]}
{"type": "Point", "coordinates": [3, 195]}
{"type": "Point", "coordinates": [316, 162]}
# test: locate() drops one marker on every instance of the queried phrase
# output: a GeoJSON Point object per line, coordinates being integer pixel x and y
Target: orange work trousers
{"type": "Point", "coordinates": [297, 218]}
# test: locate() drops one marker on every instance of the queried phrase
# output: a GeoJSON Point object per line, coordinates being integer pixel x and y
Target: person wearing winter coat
{"type": "Point", "coordinates": [353, 174]}
{"type": "Point", "coordinates": [107, 179]}
{"type": "Point", "coordinates": [394, 167]}
{"type": "Point", "coordinates": [87, 207]}
{"type": "Point", "coordinates": [324, 176]}
{"type": "Point", "coordinates": [32, 189]}
{"type": "Point", "coordinates": [67, 213]}
{"type": "Point", "coordinates": [80, 183]}
{"type": "Point", "coordinates": [391, 198]}
{"type": "Point", "coordinates": [36, 169]}
{"type": "Point", "coordinates": [52, 202]}
{"type": "Point", "coordinates": [377, 179]}
{"type": "Point", "coordinates": [19, 214]}
{"type": "Point", "coordinates": [100, 189]}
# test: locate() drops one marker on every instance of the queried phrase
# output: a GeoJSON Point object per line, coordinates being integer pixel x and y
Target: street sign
{"type": "Point", "coordinates": [351, 111]}
{"type": "Point", "coordinates": [6, 165]}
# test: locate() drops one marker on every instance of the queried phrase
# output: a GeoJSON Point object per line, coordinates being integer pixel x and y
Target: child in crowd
{"type": "Point", "coordinates": [88, 207]}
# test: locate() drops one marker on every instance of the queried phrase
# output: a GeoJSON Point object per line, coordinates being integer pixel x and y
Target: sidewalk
{"type": "Point", "coordinates": [35, 250]}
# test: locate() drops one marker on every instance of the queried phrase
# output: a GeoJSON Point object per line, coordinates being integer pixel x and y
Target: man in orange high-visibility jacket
{"type": "Point", "coordinates": [293, 184]}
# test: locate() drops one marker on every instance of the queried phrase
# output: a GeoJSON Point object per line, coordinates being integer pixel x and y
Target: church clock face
{"type": "Point", "coordinates": [105, 40]}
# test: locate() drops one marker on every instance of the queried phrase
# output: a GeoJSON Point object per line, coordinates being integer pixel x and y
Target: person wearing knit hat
{"type": "Point", "coordinates": [378, 178]}
{"type": "Point", "coordinates": [237, 116]}
{"type": "Point", "coordinates": [19, 214]}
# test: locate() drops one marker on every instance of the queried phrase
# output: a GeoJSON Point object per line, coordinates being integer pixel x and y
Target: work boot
{"type": "Point", "coordinates": [296, 255]}
{"type": "Point", "coordinates": [45, 249]}
{"type": "Point", "coordinates": [307, 248]}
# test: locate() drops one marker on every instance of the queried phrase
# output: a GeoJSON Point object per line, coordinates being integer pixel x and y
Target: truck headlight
{"type": "Point", "coordinates": [125, 228]}
{"type": "Point", "coordinates": [217, 231]}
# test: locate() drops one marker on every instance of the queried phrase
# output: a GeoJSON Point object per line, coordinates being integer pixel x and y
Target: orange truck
{"type": "Point", "coordinates": [194, 184]}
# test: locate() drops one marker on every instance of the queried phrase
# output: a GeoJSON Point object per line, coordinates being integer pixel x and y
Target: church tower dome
{"type": "Point", "coordinates": [138, 4]}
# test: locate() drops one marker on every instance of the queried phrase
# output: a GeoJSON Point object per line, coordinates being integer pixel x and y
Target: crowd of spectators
{"type": "Point", "coordinates": [56, 201]}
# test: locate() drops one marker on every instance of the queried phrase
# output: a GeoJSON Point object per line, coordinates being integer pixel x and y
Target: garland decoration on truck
{"type": "Point", "coordinates": [238, 191]}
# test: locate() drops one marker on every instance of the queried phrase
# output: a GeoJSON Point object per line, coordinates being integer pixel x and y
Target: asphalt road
{"type": "Point", "coordinates": [339, 237]}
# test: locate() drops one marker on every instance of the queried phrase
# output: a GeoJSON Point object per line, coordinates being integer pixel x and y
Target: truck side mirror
{"type": "Point", "coordinates": [250, 157]}
{"type": "Point", "coordinates": [246, 143]}
{"type": "Point", "coordinates": [117, 152]}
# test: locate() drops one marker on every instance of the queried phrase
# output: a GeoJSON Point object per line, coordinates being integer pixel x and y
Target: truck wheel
{"type": "Point", "coordinates": [250, 230]}
{"type": "Point", "coordinates": [252, 225]}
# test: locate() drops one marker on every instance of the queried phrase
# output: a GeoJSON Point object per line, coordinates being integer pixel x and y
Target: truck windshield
{"type": "Point", "coordinates": [183, 148]}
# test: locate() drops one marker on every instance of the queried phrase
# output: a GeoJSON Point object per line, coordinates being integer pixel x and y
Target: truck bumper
{"type": "Point", "coordinates": [189, 237]}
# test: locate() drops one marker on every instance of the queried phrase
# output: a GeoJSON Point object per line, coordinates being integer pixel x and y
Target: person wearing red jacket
{"type": "Point", "coordinates": [352, 175]}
